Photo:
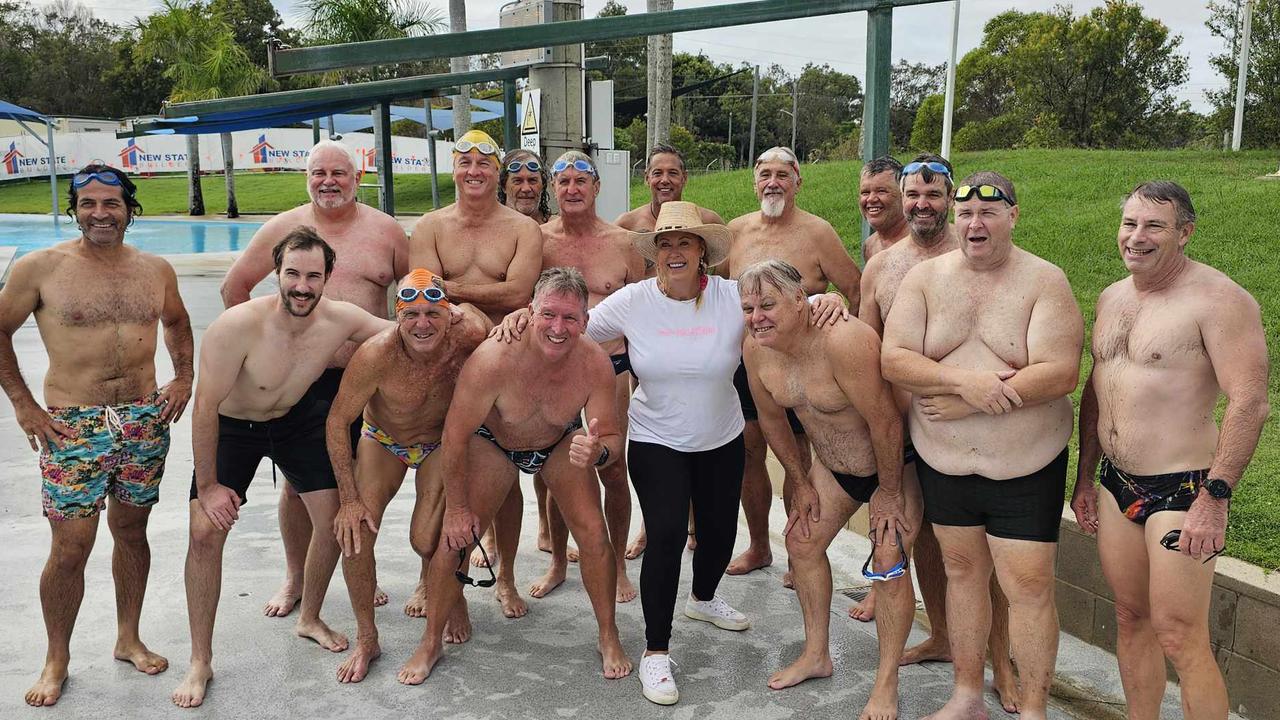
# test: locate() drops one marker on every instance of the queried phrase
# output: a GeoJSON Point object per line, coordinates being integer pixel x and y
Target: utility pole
{"type": "Point", "coordinates": [661, 118]}
{"type": "Point", "coordinates": [795, 110]}
{"type": "Point", "coordinates": [1243, 78]}
{"type": "Point", "coordinates": [950, 103]}
{"type": "Point", "coordinates": [755, 101]}
{"type": "Point", "coordinates": [462, 102]}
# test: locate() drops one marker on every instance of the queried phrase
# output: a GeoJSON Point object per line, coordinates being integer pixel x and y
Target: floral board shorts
{"type": "Point", "coordinates": [117, 449]}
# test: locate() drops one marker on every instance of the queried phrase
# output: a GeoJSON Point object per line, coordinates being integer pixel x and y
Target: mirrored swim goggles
{"type": "Point", "coordinates": [984, 192]}
{"type": "Point", "coordinates": [892, 573]}
{"type": "Point", "coordinates": [518, 165]}
{"type": "Point", "coordinates": [485, 148]}
{"type": "Point", "coordinates": [916, 167]}
{"type": "Point", "coordinates": [579, 165]}
{"type": "Point", "coordinates": [106, 178]}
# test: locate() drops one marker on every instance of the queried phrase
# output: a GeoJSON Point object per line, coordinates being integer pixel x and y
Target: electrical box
{"type": "Point", "coordinates": [615, 183]}
{"type": "Point", "coordinates": [523, 13]}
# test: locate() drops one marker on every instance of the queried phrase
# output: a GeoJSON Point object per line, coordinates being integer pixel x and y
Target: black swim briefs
{"type": "Point", "coordinates": [1141, 496]}
{"type": "Point", "coordinates": [748, 403]}
{"type": "Point", "coordinates": [294, 441]}
{"type": "Point", "coordinates": [858, 487]}
{"type": "Point", "coordinates": [325, 389]}
{"type": "Point", "coordinates": [621, 363]}
{"type": "Point", "coordinates": [530, 461]}
{"type": "Point", "coordinates": [1021, 508]}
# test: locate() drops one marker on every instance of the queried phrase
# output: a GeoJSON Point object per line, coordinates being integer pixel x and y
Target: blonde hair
{"type": "Point", "coordinates": [702, 267]}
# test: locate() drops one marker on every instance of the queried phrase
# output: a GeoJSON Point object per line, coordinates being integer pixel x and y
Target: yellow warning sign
{"type": "Point", "coordinates": [530, 124]}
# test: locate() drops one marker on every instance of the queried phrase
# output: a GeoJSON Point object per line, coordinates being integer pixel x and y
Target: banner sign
{"type": "Point", "coordinates": [23, 156]}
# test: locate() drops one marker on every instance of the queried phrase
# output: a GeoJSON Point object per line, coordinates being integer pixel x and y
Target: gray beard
{"type": "Point", "coordinates": [771, 207]}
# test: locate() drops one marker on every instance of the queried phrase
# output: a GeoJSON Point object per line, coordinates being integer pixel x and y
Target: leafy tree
{"type": "Point", "coordinates": [53, 57]}
{"type": "Point", "coordinates": [330, 22]}
{"type": "Point", "coordinates": [137, 83]}
{"type": "Point", "coordinates": [909, 85]}
{"type": "Point", "coordinates": [252, 22]}
{"type": "Point", "coordinates": [926, 130]}
{"type": "Point", "coordinates": [1262, 86]}
{"type": "Point", "coordinates": [625, 63]}
{"type": "Point", "coordinates": [829, 102]}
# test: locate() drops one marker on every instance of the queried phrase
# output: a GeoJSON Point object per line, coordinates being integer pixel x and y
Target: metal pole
{"type": "Point", "coordinates": [1242, 78]}
{"type": "Point", "coordinates": [875, 108]}
{"type": "Point", "coordinates": [755, 98]}
{"type": "Point", "coordinates": [510, 119]}
{"type": "Point", "coordinates": [53, 168]}
{"type": "Point", "coordinates": [331, 130]}
{"type": "Point", "coordinates": [315, 131]}
{"type": "Point", "coordinates": [795, 110]}
{"type": "Point", "coordinates": [950, 103]}
{"type": "Point", "coordinates": [382, 153]}
{"type": "Point", "coordinates": [431, 154]}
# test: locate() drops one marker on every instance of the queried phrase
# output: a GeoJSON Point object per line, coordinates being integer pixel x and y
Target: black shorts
{"type": "Point", "coordinates": [857, 487]}
{"type": "Point", "coordinates": [1021, 508]}
{"type": "Point", "coordinates": [748, 403]}
{"type": "Point", "coordinates": [621, 363]}
{"type": "Point", "coordinates": [908, 452]}
{"type": "Point", "coordinates": [294, 441]}
{"type": "Point", "coordinates": [325, 389]}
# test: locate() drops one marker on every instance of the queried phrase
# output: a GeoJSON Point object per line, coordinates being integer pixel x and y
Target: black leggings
{"type": "Point", "coordinates": [666, 481]}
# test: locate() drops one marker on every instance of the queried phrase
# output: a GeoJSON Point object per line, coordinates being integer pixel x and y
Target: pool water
{"type": "Point", "coordinates": [162, 237]}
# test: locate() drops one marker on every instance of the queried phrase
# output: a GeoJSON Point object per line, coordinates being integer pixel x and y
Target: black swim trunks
{"type": "Point", "coordinates": [530, 461]}
{"type": "Point", "coordinates": [858, 487]}
{"type": "Point", "coordinates": [1021, 508]}
{"type": "Point", "coordinates": [748, 403]}
{"type": "Point", "coordinates": [621, 363]}
{"type": "Point", "coordinates": [325, 389]}
{"type": "Point", "coordinates": [1141, 496]}
{"type": "Point", "coordinates": [294, 441]}
{"type": "Point", "coordinates": [908, 452]}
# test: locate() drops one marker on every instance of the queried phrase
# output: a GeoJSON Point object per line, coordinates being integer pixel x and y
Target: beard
{"type": "Point", "coordinates": [288, 298]}
{"type": "Point", "coordinates": [329, 201]}
{"type": "Point", "coordinates": [773, 205]}
{"type": "Point", "coordinates": [926, 228]}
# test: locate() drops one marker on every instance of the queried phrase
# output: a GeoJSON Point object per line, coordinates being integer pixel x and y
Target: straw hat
{"type": "Point", "coordinates": [680, 216]}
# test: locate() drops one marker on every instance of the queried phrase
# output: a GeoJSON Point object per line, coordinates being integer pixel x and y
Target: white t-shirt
{"type": "Point", "coordinates": [684, 357]}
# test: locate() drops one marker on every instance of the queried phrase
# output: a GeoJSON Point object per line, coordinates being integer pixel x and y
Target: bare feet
{"type": "Point", "coordinates": [637, 546]}
{"type": "Point", "coordinates": [356, 666]}
{"type": "Point", "coordinates": [324, 636]}
{"type": "Point", "coordinates": [1006, 686]}
{"type": "Point", "coordinates": [615, 662]}
{"type": "Point", "coordinates": [548, 582]}
{"type": "Point", "coordinates": [962, 708]}
{"type": "Point", "coordinates": [626, 591]}
{"type": "Point", "coordinates": [142, 658]}
{"type": "Point", "coordinates": [802, 669]}
{"type": "Point", "coordinates": [380, 597]}
{"type": "Point", "coordinates": [478, 558]}
{"type": "Point", "coordinates": [749, 561]}
{"type": "Point", "coordinates": [692, 543]}
{"type": "Point", "coordinates": [788, 582]}
{"type": "Point", "coordinates": [883, 703]}
{"type": "Point", "coordinates": [865, 611]}
{"type": "Point", "coordinates": [418, 666]}
{"type": "Point", "coordinates": [572, 553]}
{"type": "Point", "coordinates": [281, 604]}
{"type": "Point", "coordinates": [48, 687]}
{"type": "Point", "coordinates": [457, 629]}
{"type": "Point", "coordinates": [544, 538]}
{"type": "Point", "coordinates": [931, 650]}
{"type": "Point", "coordinates": [513, 606]}
{"type": "Point", "coordinates": [190, 693]}
{"type": "Point", "coordinates": [416, 606]}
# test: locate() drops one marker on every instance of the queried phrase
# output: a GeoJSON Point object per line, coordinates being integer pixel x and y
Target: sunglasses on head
{"type": "Point", "coordinates": [984, 192]}
{"type": "Point", "coordinates": [462, 576]}
{"type": "Point", "coordinates": [430, 293]}
{"type": "Point", "coordinates": [579, 165]}
{"type": "Point", "coordinates": [485, 148]}
{"type": "Point", "coordinates": [518, 165]}
{"type": "Point", "coordinates": [916, 167]}
{"type": "Point", "coordinates": [1170, 542]}
{"type": "Point", "coordinates": [892, 573]}
{"type": "Point", "coordinates": [106, 178]}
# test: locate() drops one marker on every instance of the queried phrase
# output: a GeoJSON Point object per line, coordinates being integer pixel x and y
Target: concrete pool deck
{"type": "Point", "coordinates": [544, 665]}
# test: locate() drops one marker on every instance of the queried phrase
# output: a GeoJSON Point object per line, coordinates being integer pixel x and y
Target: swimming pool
{"type": "Point", "coordinates": [162, 237]}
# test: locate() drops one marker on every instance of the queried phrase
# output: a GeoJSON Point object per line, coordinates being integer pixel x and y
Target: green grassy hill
{"type": "Point", "coordinates": [1070, 202]}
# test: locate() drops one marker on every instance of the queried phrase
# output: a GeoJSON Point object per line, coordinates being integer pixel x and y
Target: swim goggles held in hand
{"type": "Point", "coordinates": [984, 192]}
{"type": "Point", "coordinates": [485, 148]}
{"type": "Point", "coordinates": [1170, 542]}
{"type": "Point", "coordinates": [518, 165]}
{"type": "Point", "coordinates": [892, 573]}
{"type": "Point", "coordinates": [579, 165]}
{"type": "Point", "coordinates": [462, 562]}
{"type": "Point", "coordinates": [916, 167]}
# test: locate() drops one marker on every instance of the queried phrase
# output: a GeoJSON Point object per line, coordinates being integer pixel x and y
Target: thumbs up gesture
{"type": "Point", "coordinates": [584, 449]}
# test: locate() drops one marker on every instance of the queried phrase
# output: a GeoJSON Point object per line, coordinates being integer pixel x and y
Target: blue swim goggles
{"type": "Point", "coordinates": [579, 165]}
{"type": "Point", "coordinates": [431, 293]}
{"type": "Point", "coordinates": [106, 178]}
{"type": "Point", "coordinates": [518, 165]}
{"type": "Point", "coordinates": [916, 167]}
{"type": "Point", "coordinates": [892, 573]}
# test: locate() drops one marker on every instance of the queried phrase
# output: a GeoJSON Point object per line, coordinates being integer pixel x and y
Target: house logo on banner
{"type": "Point", "coordinates": [11, 159]}
{"type": "Point", "coordinates": [131, 155]}
{"type": "Point", "coordinates": [368, 159]}
{"type": "Point", "coordinates": [261, 151]}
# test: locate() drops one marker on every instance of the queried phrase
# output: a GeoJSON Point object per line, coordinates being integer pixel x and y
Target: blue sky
{"type": "Point", "coordinates": [921, 33]}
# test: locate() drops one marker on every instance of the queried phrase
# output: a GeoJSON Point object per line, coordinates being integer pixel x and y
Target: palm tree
{"type": "Point", "coordinates": [332, 22]}
{"type": "Point", "coordinates": [201, 57]}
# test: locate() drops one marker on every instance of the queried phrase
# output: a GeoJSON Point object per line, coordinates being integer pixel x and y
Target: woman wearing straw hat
{"type": "Point", "coordinates": [684, 332]}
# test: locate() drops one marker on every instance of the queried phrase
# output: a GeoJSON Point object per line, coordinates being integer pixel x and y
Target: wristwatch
{"type": "Point", "coordinates": [1218, 488]}
{"type": "Point", "coordinates": [604, 456]}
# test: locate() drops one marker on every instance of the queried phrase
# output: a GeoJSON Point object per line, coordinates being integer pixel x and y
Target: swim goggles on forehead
{"type": "Point", "coordinates": [430, 293]}
{"type": "Point", "coordinates": [579, 165]}
{"type": "Point", "coordinates": [984, 192]}
{"type": "Point", "coordinates": [518, 165]}
{"type": "Point", "coordinates": [106, 178]}
{"type": "Point", "coordinates": [485, 148]}
{"type": "Point", "coordinates": [916, 167]}
{"type": "Point", "coordinates": [892, 573]}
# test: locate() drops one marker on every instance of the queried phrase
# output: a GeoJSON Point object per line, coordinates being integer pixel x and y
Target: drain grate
{"type": "Point", "coordinates": [856, 594]}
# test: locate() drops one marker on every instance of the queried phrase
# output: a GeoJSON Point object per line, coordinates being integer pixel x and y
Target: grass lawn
{"type": "Point", "coordinates": [1070, 212]}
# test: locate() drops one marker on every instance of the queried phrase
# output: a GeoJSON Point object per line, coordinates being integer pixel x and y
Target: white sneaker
{"type": "Point", "coordinates": [717, 612]}
{"type": "Point", "coordinates": [656, 681]}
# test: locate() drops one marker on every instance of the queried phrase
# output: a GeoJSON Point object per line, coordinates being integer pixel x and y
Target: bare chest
{"type": "Point", "coordinates": [92, 298]}
{"type": "Point", "coordinates": [807, 384]}
{"type": "Point", "coordinates": [1152, 333]}
{"type": "Point", "coordinates": [792, 247]}
{"type": "Point", "coordinates": [889, 279]}
{"type": "Point", "coordinates": [475, 252]}
{"type": "Point", "coordinates": [602, 264]}
{"type": "Point", "coordinates": [995, 316]}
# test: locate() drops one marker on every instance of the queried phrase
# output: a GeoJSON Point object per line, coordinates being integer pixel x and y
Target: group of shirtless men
{"type": "Point", "coordinates": [944, 406]}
